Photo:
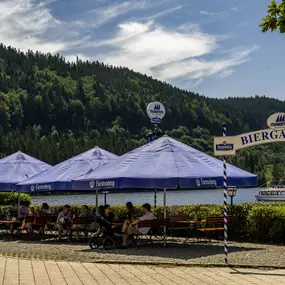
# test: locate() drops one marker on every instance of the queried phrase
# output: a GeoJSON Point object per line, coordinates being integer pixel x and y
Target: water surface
{"type": "Point", "coordinates": [175, 197]}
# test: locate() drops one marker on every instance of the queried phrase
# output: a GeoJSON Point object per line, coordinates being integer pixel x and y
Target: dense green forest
{"type": "Point", "coordinates": [53, 109]}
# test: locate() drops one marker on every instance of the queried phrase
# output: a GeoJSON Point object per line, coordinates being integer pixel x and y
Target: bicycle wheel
{"type": "Point", "coordinates": [95, 242]}
{"type": "Point", "coordinates": [109, 243]}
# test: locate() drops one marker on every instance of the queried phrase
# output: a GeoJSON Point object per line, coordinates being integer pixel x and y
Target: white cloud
{"type": "Point", "coordinates": [207, 13]}
{"type": "Point", "coordinates": [225, 73]}
{"type": "Point", "coordinates": [168, 55]}
{"type": "Point", "coordinates": [183, 53]}
{"type": "Point", "coordinates": [163, 13]}
{"type": "Point", "coordinates": [29, 24]}
{"type": "Point", "coordinates": [73, 57]}
{"type": "Point", "coordinates": [24, 24]}
{"type": "Point", "coordinates": [111, 11]}
{"type": "Point", "coordinates": [198, 82]}
{"type": "Point", "coordinates": [235, 9]}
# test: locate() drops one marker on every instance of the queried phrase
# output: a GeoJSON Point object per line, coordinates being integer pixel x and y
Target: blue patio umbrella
{"type": "Point", "coordinates": [164, 164]}
{"type": "Point", "coordinates": [59, 177]}
{"type": "Point", "coordinates": [18, 167]}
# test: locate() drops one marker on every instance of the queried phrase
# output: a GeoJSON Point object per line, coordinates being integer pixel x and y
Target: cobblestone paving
{"type": "Point", "coordinates": [34, 272]}
{"type": "Point", "coordinates": [243, 254]}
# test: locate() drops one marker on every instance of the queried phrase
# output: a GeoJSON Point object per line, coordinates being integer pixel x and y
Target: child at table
{"type": "Point", "coordinates": [28, 226]}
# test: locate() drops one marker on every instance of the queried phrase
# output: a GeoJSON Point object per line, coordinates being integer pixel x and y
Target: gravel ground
{"type": "Point", "coordinates": [193, 253]}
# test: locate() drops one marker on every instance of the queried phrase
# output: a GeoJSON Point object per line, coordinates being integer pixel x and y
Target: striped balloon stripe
{"type": "Point", "coordinates": [225, 202]}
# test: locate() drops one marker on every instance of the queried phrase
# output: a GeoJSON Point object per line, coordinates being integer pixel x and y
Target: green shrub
{"type": "Point", "coordinates": [266, 223]}
{"type": "Point", "coordinates": [254, 222]}
{"type": "Point", "coordinates": [11, 198]}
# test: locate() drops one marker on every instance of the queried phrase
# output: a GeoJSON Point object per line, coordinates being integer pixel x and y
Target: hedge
{"type": "Point", "coordinates": [11, 198]}
{"type": "Point", "coordinates": [255, 222]}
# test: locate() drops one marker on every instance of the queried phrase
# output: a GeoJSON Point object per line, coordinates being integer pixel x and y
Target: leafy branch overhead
{"type": "Point", "coordinates": [275, 18]}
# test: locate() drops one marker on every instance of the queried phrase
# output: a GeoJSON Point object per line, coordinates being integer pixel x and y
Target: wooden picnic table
{"type": "Point", "coordinates": [190, 222]}
{"type": "Point", "coordinates": [12, 224]}
{"type": "Point", "coordinates": [190, 226]}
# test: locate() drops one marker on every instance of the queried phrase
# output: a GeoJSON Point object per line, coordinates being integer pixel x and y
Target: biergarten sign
{"type": "Point", "coordinates": [227, 145]}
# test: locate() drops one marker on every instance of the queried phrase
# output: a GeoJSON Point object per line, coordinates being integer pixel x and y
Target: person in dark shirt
{"type": "Point", "coordinates": [109, 215]}
{"type": "Point", "coordinates": [85, 213]}
{"type": "Point", "coordinates": [45, 210]}
{"type": "Point", "coordinates": [133, 213]}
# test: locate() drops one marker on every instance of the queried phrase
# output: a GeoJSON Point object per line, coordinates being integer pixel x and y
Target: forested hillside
{"type": "Point", "coordinates": [53, 109]}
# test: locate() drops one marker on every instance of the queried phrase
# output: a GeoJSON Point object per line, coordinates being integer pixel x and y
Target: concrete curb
{"type": "Point", "coordinates": [188, 264]}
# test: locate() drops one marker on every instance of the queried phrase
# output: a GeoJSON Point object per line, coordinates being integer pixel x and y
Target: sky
{"type": "Point", "coordinates": [213, 47]}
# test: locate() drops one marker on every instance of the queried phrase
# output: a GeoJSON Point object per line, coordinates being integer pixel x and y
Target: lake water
{"type": "Point", "coordinates": [175, 197]}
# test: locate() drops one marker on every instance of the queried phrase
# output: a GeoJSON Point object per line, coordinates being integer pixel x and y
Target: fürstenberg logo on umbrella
{"type": "Point", "coordinates": [107, 183]}
{"type": "Point", "coordinates": [40, 187]}
{"type": "Point", "coordinates": [206, 182]}
{"type": "Point", "coordinates": [276, 121]}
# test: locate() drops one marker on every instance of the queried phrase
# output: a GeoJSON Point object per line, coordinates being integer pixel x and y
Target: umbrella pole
{"type": "Point", "coordinates": [19, 202]}
{"type": "Point", "coordinates": [164, 216]}
{"type": "Point", "coordinates": [155, 199]}
{"type": "Point", "coordinates": [97, 196]}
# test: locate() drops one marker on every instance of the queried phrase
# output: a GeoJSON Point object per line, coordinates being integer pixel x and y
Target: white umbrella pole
{"type": "Point", "coordinates": [97, 196]}
{"type": "Point", "coordinates": [164, 216]}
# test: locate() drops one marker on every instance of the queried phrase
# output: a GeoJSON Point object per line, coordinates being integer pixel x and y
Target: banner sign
{"type": "Point", "coordinates": [259, 137]}
{"type": "Point", "coordinates": [228, 145]}
{"type": "Point", "coordinates": [225, 146]}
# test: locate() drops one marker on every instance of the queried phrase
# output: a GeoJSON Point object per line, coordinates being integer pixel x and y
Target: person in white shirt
{"type": "Point", "coordinates": [131, 227]}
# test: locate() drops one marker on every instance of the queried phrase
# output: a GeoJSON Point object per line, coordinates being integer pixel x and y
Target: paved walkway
{"type": "Point", "coordinates": [21, 271]}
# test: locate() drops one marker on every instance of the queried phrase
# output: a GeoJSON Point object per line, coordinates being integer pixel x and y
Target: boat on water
{"type": "Point", "coordinates": [272, 194]}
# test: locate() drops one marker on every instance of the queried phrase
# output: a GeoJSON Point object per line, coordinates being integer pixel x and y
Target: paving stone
{"type": "Point", "coordinates": [40, 273]}
{"type": "Point", "coordinates": [32, 272]}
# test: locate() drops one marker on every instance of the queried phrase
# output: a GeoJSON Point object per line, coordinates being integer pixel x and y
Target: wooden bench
{"type": "Point", "coordinates": [181, 227]}
{"type": "Point", "coordinates": [174, 222]}
{"type": "Point", "coordinates": [44, 224]}
{"type": "Point", "coordinates": [214, 224]}
{"type": "Point", "coordinates": [155, 234]}
{"type": "Point", "coordinates": [29, 220]}
{"type": "Point", "coordinates": [81, 227]}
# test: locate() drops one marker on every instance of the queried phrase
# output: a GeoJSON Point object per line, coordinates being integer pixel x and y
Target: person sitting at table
{"type": "Point", "coordinates": [63, 221]}
{"type": "Point", "coordinates": [31, 213]}
{"type": "Point", "coordinates": [133, 213]}
{"type": "Point", "coordinates": [45, 209]}
{"type": "Point", "coordinates": [24, 210]}
{"type": "Point", "coordinates": [131, 227]}
{"type": "Point", "coordinates": [85, 213]}
{"type": "Point", "coordinates": [109, 215]}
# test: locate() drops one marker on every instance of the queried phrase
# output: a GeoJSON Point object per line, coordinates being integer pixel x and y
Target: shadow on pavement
{"type": "Point", "coordinates": [174, 250]}
{"type": "Point", "coordinates": [267, 273]}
